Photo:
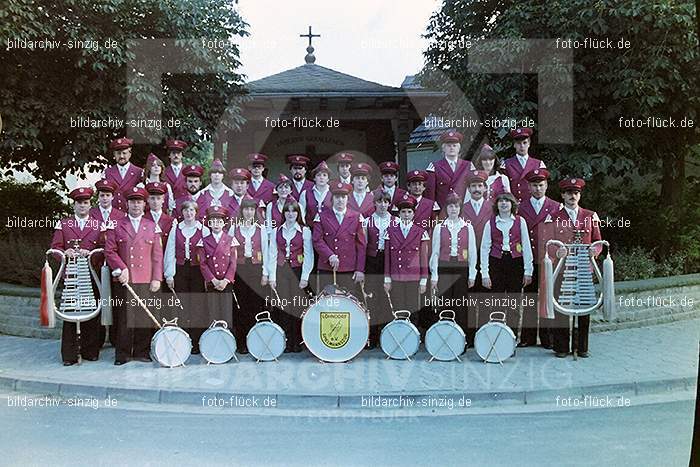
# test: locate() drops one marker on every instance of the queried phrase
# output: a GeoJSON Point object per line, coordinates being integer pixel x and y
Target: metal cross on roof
{"type": "Point", "coordinates": [310, 49]}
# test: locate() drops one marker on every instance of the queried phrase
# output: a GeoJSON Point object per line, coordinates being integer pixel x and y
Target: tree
{"type": "Point", "coordinates": [657, 76]}
{"type": "Point", "coordinates": [45, 90]}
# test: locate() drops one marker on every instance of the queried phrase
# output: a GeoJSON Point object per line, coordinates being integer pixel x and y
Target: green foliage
{"type": "Point", "coordinates": [43, 89]}
{"type": "Point", "coordinates": [30, 201]}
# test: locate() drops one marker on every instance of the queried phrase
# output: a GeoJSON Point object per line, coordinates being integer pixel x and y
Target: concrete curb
{"type": "Point", "coordinates": [344, 401]}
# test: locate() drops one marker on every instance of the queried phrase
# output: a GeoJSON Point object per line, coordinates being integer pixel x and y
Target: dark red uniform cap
{"type": "Point", "coordinates": [406, 201]}
{"type": "Point", "coordinates": [218, 211]}
{"type": "Point", "coordinates": [417, 176]}
{"type": "Point", "coordinates": [451, 136]}
{"type": "Point", "coordinates": [156, 188]}
{"type": "Point", "coordinates": [106, 185]}
{"type": "Point", "coordinates": [537, 175]}
{"type": "Point", "coordinates": [521, 133]}
{"type": "Point", "coordinates": [240, 174]}
{"type": "Point", "coordinates": [137, 193]}
{"type": "Point", "coordinates": [193, 171]}
{"type": "Point", "coordinates": [575, 184]}
{"type": "Point", "coordinates": [298, 159]}
{"type": "Point", "coordinates": [175, 145]}
{"type": "Point", "coordinates": [257, 158]}
{"type": "Point", "coordinates": [81, 194]}
{"type": "Point", "coordinates": [389, 167]}
{"type": "Point", "coordinates": [361, 169]}
{"type": "Point", "coordinates": [476, 176]}
{"type": "Point", "coordinates": [340, 188]}
{"type": "Point", "coordinates": [120, 143]}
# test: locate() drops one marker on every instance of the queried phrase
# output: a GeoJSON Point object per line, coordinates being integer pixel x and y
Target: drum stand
{"type": "Point", "coordinates": [266, 344]}
{"type": "Point", "coordinates": [493, 347]}
{"type": "Point", "coordinates": [574, 345]}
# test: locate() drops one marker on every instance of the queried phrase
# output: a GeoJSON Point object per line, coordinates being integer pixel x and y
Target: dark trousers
{"type": "Point", "coordinates": [477, 315]}
{"type": "Point", "coordinates": [529, 330]}
{"type": "Point", "coordinates": [405, 296]}
{"type": "Point", "coordinates": [560, 332]}
{"type": "Point", "coordinates": [452, 285]}
{"type": "Point", "coordinates": [251, 300]}
{"type": "Point", "coordinates": [379, 309]}
{"type": "Point", "coordinates": [506, 275]}
{"type": "Point", "coordinates": [134, 328]}
{"type": "Point", "coordinates": [294, 300]}
{"type": "Point", "coordinates": [90, 343]}
{"type": "Point", "coordinates": [189, 286]}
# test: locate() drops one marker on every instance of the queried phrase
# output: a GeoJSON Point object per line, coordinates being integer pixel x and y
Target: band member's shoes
{"type": "Point", "coordinates": [243, 351]}
{"type": "Point", "coordinates": [69, 363]}
{"type": "Point", "coordinates": [120, 362]}
{"type": "Point", "coordinates": [90, 359]}
{"type": "Point", "coordinates": [143, 359]}
{"type": "Point", "coordinates": [561, 354]}
{"type": "Point", "coordinates": [547, 345]}
{"type": "Point", "coordinates": [523, 344]}
{"type": "Point", "coordinates": [195, 350]}
{"type": "Point", "coordinates": [583, 354]}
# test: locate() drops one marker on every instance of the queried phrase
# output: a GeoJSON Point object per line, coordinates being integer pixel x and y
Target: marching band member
{"type": "Point", "coordinates": [406, 260]}
{"type": "Point", "coordinates": [135, 255]}
{"type": "Point", "coordinates": [181, 266]}
{"type": "Point", "coordinates": [375, 227]}
{"type": "Point", "coordinates": [216, 251]}
{"type": "Point", "coordinates": [216, 193]}
{"type": "Point", "coordinates": [80, 226]}
{"type": "Point", "coordinates": [344, 165]}
{"type": "Point", "coordinates": [155, 173]}
{"type": "Point", "coordinates": [496, 183]}
{"type": "Point", "coordinates": [274, 212]}
{"type": "Point", "coordinates": [107, 216]}
{"type": "Point", "coordinates": [389, 171]}
{"type": "Point", "coordinates": [449, 173]}
{"type": "Point", "coordinates": [506, 254]}
{"type": "Point", "coordinates": [426, 209]}
{"type": "Point", "coordinates": [193, 183]}
{"type": "Point", "coordinates": [360, 200]}
{"type": "Point", "coordinates": [252, 240]}
{"type": "Point", "coordinates": [240, 180]}
{"type": "Point", "coordinates": [174, 174]}
{"type": "Point", "coordinates": [521, 163]}
{"type": "Point", "coordinates": [124, 174]}
{"type": "Point", "coordinates": [259, 188]}
{"type": "Point", "coordinates": [568, 220]}
{"type": "Point", "coordinates": [340, 242]}
{"type": "Point", "coordinates": [318, 198]}
{"type": "Point", "coordinates": [297, 169]}
{"type": "Point", "coordinates": [453, 260]}
{"type": "Point", "coordinates": [538, 212]}
{"type": "Point", "coordinates": [290, 261]}
{"type": "Point", "coordinates": [156, 197]}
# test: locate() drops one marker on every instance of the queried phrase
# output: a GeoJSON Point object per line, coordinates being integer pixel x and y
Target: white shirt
{"type": "Point", "coordinates": [288, 233]}
{"type": "Point", "coordinates": [391, 190]}
{"type": "Point", "coordinates": [504, 226]}
{"type": "Point", "coordinates": [318, 195]}
{"type": "Point", "coordinates": [340, 215]}
{"type": "Point", "coordinates": [81, 222]}
{"type": "Point", "coordinates": [381, 223]}
{"type": "Point", "coordinates": [156, 215]}
{"type": "Point", "coordinates": [217, 235]}
{"type": "Point", "coordinates": [453, 163]}
{"type": "Point", "coordinates": [522, 159]}
{"type": "Point", "coordinates": [359, 197]}
{"type": "Point", "coordinates": [537, 204]}
{"type": "Point", "coordinates": [504, 180]}
{"type": "Point", "coordinates": [169, 260]}
{"type": "Point", "coordinates": [406, 228]}
{"type": "Point", "coordinates": [123, 169]}
{"type": "Point", "coordinates": [476, 205]}
{"type": "Point", "coordinates": [573, 214]}
{"type": "Point", "coordinates": [279, 205]}
{"type": "Point", "coordinates": [299, 185]}
{"type": "Point", "coordinates": [247, 231]}
{"type": "Point", "coordinates": [454, 228]}
{"type": "Point", "coordinates": [105, 213]}
{"type": "Point", "coordinates": [176, 169]}
{"type": "Point", "coordinates": [135, 221]}
{"type": "Point", "coordinates": [256, 183]}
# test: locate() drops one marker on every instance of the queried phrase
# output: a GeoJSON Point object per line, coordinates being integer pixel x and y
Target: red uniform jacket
{"type": "Point", "coordinates": [312, 206]}
{"type": "Point", "coordinates": [406, 258]}
{"type": "Point", "coordinates": [217, 260]}
{"type": "Point", "coordinates": [347, 241]}
{"type": "Point", "coordinates": [478, 221]}
{"type": "Point", "coordinates": [177, 184]}
{"type": "Point", "coordinates": [516, 174]}
{"type": "Point", "coordinates": [133, 176]}
{"type": "Point", "coordinates": [426, 211]}
{"type": "Point", "coordinates": [442, 180]}
{"type": "Point", "coordinates": [308, 185]}
{"type": "Point", "coordinates": [165, 222]}
{"type": "Point", "coordinates": [140, 252]}
{"type": "Point", "coordinates": [264, 193]}
{"type": "Point", "coordinates": [367, 207]}
{"type": "Point", "coordinates": [536, 224]}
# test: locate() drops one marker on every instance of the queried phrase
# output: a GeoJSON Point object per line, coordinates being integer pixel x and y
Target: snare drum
{"type": "Point", "coordinates": [400, 338]}
{"type": "Point", "coordinates": [266, 340]}
{"type": "Point", "coordinates": [171, 346]}
{"type": "Point", "coordinates": [217, 344]}
{"type": "Point", "coordinates": [495, 342]}
{"type": "Point", "coordinates": [335, 328]}
{"type": "Point", "coordinates": [445, 340]}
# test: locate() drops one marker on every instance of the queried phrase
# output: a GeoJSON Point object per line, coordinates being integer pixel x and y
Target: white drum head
{"type": "Point", "coordinates": [445, 340]}
{"type": "Point", "coordinates": [266, 341]}
{"type": "Point", "coordinates": [335, 328]}
{"type": "Point", "coordinates": [494, 342]}
{"type": "Point", "coordinates": [217, 345]}
{"type": "Point", "coordinates": [171, 346]}
{"type": "Point", "coordinates": [399, 339]}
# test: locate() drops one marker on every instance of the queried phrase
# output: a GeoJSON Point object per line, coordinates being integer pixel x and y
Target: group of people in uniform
{"type": "Point", "coordinates": [459, 228]}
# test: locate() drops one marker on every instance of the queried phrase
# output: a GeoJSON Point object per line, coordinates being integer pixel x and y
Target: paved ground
{"type": "Point", "coordinates": [627, 361]}
{"type": "Point", "coordinates": [645, 435]}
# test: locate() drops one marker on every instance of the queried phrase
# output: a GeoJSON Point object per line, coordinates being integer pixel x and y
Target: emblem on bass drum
{"type": "Point", "coordinates": [400, 338]}
{"type": "Point", "coordinates": [217, 344]}
{"type": "Point", "coordinates": [445, 340]}
{"type": "Point", "coordinates": [495, 342]}
{"type": "Point", "coordinates": [266, 340]}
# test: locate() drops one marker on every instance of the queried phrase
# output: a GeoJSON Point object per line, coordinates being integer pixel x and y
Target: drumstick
{"type": "Point", "coordinates": [278, 297]}
{"type": "Point", "coordinates": [388, 296]}
{"type": "Point", "coordinates": [334, 281]}
{"type": "Point", "coordinates": [143, 305]}
{"type": "Point", "coordinates": [176, 298]}
{"type": "Point", "coordinates": [520, 313]}
{"type": "Point", "coordinates": [235, 298]}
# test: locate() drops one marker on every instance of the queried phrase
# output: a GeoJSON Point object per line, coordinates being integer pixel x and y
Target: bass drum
{"type": "Point", "coordinates": [400, 338]}
{"type": "Point", "coordinates": [495, 342]}
{"type": "Point", "coordinates": [265, 340]}
{"type": "Point", "coordinates": [445, 340]}
{"type": "Point", "coordinates": [171, 346]}
{"type": "Point", "coordinates": [335, 328]}
{"type": "Point", "coordinates": [217, 344]}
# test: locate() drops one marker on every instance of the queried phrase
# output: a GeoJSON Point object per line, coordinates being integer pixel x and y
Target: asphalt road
{"type": "Point", "coordinates": [653, 435]}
